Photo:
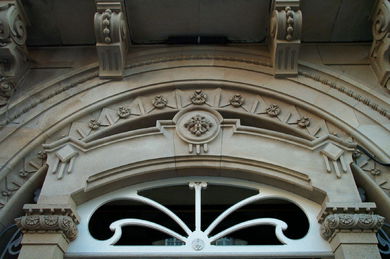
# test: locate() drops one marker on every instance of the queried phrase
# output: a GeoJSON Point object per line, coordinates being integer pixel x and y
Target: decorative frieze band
{"type": "Point", "coordinates": [40, 218]}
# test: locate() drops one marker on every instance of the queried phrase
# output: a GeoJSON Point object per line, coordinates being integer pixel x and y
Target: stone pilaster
{"type": "Point", "coordinates": [47, 230]}
{"type": "Point", "coordinates": [380, 49]}
{"type": "Point", "coordinates": [350, 229]}
{"type": "Point", "coordinates": [111, 37]}
{"type": "Point", "coordinates": [285, 36]}
{"type": "Point", "coordinates": [13, 51]}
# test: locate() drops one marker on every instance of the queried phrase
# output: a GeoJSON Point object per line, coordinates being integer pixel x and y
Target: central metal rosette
{"type": "Point", "coordinates": [198, 125]}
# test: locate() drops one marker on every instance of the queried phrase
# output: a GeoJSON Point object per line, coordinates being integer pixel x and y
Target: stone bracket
{"type": "Point", "coordinates": [41, 218]}
{"type": "Point", "coordinates": [13, 51]}
{"type": "Point", "coordinates": [285, 36]}
{"type": "Point", "coordinates": [111, 37]}
{"type": "Point", "coordinates": [380, 49]}
{"type": "Point", "coordinates": [338, 217]}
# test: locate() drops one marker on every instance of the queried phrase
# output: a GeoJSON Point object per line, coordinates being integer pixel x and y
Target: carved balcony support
{"type": "Point", "coordinates": [13, 51]}
{"type": "Point", "coordinates": [111, 38]}
{"type": "Point", "coordinates": [350, 229]}
{"type": "Point", "coordinates": [380, 49]}
{"type": "Point", "coordinates": [47, 230]}
{"type": "Point", "coordinates": [285, 35]}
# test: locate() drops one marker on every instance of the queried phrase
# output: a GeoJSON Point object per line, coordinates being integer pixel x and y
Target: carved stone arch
{"type": "Point", "coordinates": [78, 106]}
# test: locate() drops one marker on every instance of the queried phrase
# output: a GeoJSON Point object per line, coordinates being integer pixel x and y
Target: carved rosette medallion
{"type": "Point", "coordinates": [237, 100]}
{"type": "Point", "coordinates": [273, 110]}
{"type": "Point", "coordinates": [198, 127]}
{"type": "Point", "coordinates": [123, 112]}
{"type": "Point", "coordinates": [199, 97]}
{"type": "Point", "coordinates": [346, 222]}
{"type": "Point", "coordinates": [159, 102]}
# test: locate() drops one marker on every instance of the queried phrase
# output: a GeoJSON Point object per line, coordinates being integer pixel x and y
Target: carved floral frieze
{"type": "Point", "coordinates": [350, 222]}
{"type": "Point", "coordinates": [42, 219]}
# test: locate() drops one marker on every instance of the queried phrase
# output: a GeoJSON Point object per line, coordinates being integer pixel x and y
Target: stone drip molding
{"type": "Point", "coordinates": [337, 218]}
{"type": "Point", "coordinates": [6, 118]}
{"type": "Point", "coordinates": [49, 219]}
{"type": "Point", "coordinates": [349, 92]}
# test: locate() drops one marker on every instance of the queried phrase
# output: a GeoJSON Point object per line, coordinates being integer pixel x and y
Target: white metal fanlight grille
{"type": "Point", "coordinates": [198, 241]}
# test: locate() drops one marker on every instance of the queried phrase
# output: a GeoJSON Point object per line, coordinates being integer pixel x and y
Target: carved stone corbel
{"type": "Point", "coordinates": [111, 38]}
{"type": "Point", "coordinates": [49, 219]}
{"type": "Point", "coordinates": [285, 35]}
{"type": "Point", "coordinates": [348, 218]}
{"type": "Point", "coordinates": [13, 51]}
{"type": "Point", "coordinates": [380, 49]}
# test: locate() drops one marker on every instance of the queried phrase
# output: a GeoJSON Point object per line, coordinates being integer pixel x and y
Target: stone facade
{"type": "Point", "coordinates": [306, 120]}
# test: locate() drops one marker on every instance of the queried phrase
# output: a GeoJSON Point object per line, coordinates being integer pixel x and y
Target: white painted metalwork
{"type": "Point", "coordinates": [198, 242]}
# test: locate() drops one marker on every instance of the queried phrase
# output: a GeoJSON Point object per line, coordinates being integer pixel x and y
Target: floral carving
{"type": "Point", "coordinates": [94, 124]}
{"type": "Point", "coordinates": [159, 102]}
{"type": "Point", "coordinates": [350, 222]}
{"type": "Point", "coordinates": [198, 125]}
{"type": "Point", "coordinates": [237, 100]}
{"type": "Point", "coordinates": [303, 122]}
{"type": "Point", "coordinates": [46, 223]}
{"type": "Point", "coordinates": [106, 25]}
{"type": "Point", "coordinates": [123, 112]}
{"type": "Point", "coordinates": [289, 23]}
{"type": "Point", "coordinates": [273, 110]}
{"type": "Point", "coordinates": [199, 97]}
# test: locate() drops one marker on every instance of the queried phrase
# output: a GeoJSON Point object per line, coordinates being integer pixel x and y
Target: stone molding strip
{"type": "Point", "coordinates": [345, 222]}
{"type": "Point", "coordinates": [366, 101]}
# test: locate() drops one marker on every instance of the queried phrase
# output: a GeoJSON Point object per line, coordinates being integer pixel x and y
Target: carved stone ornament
{"type": "Point", "coordinates": [159, 102]}
{"type": "Point", "coordinates": [64, 161]}
{"type": "Point", "coordinates": [380, 49]}
{"type": "Point", "coordinates": [273, 110]}
{"type": "Point", "coordinates": [285, 34]}
{"type": "Point", "coordinates": [342, 222]}
{"type": "Point", "coordinates": [94, 124]}
{"type": "Point", "coordinates": [123, 112]}
{"type": "Point", "coordinates": [49, 219]}
{"type": "Point", "coordinates": [199, 97]}
{"type": "Point", "coordinates": [303, 122]}
{"type": "Point", "coordinates": [333, 154]}
{"type": "Point", "coordinates": [13, 51]}
{"type": "Point", "coordinates": [111, 38]}
{"type": "Point", "coordinates": [198, 127]}
{"type": "Point", "coordinates": [237, 100]}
